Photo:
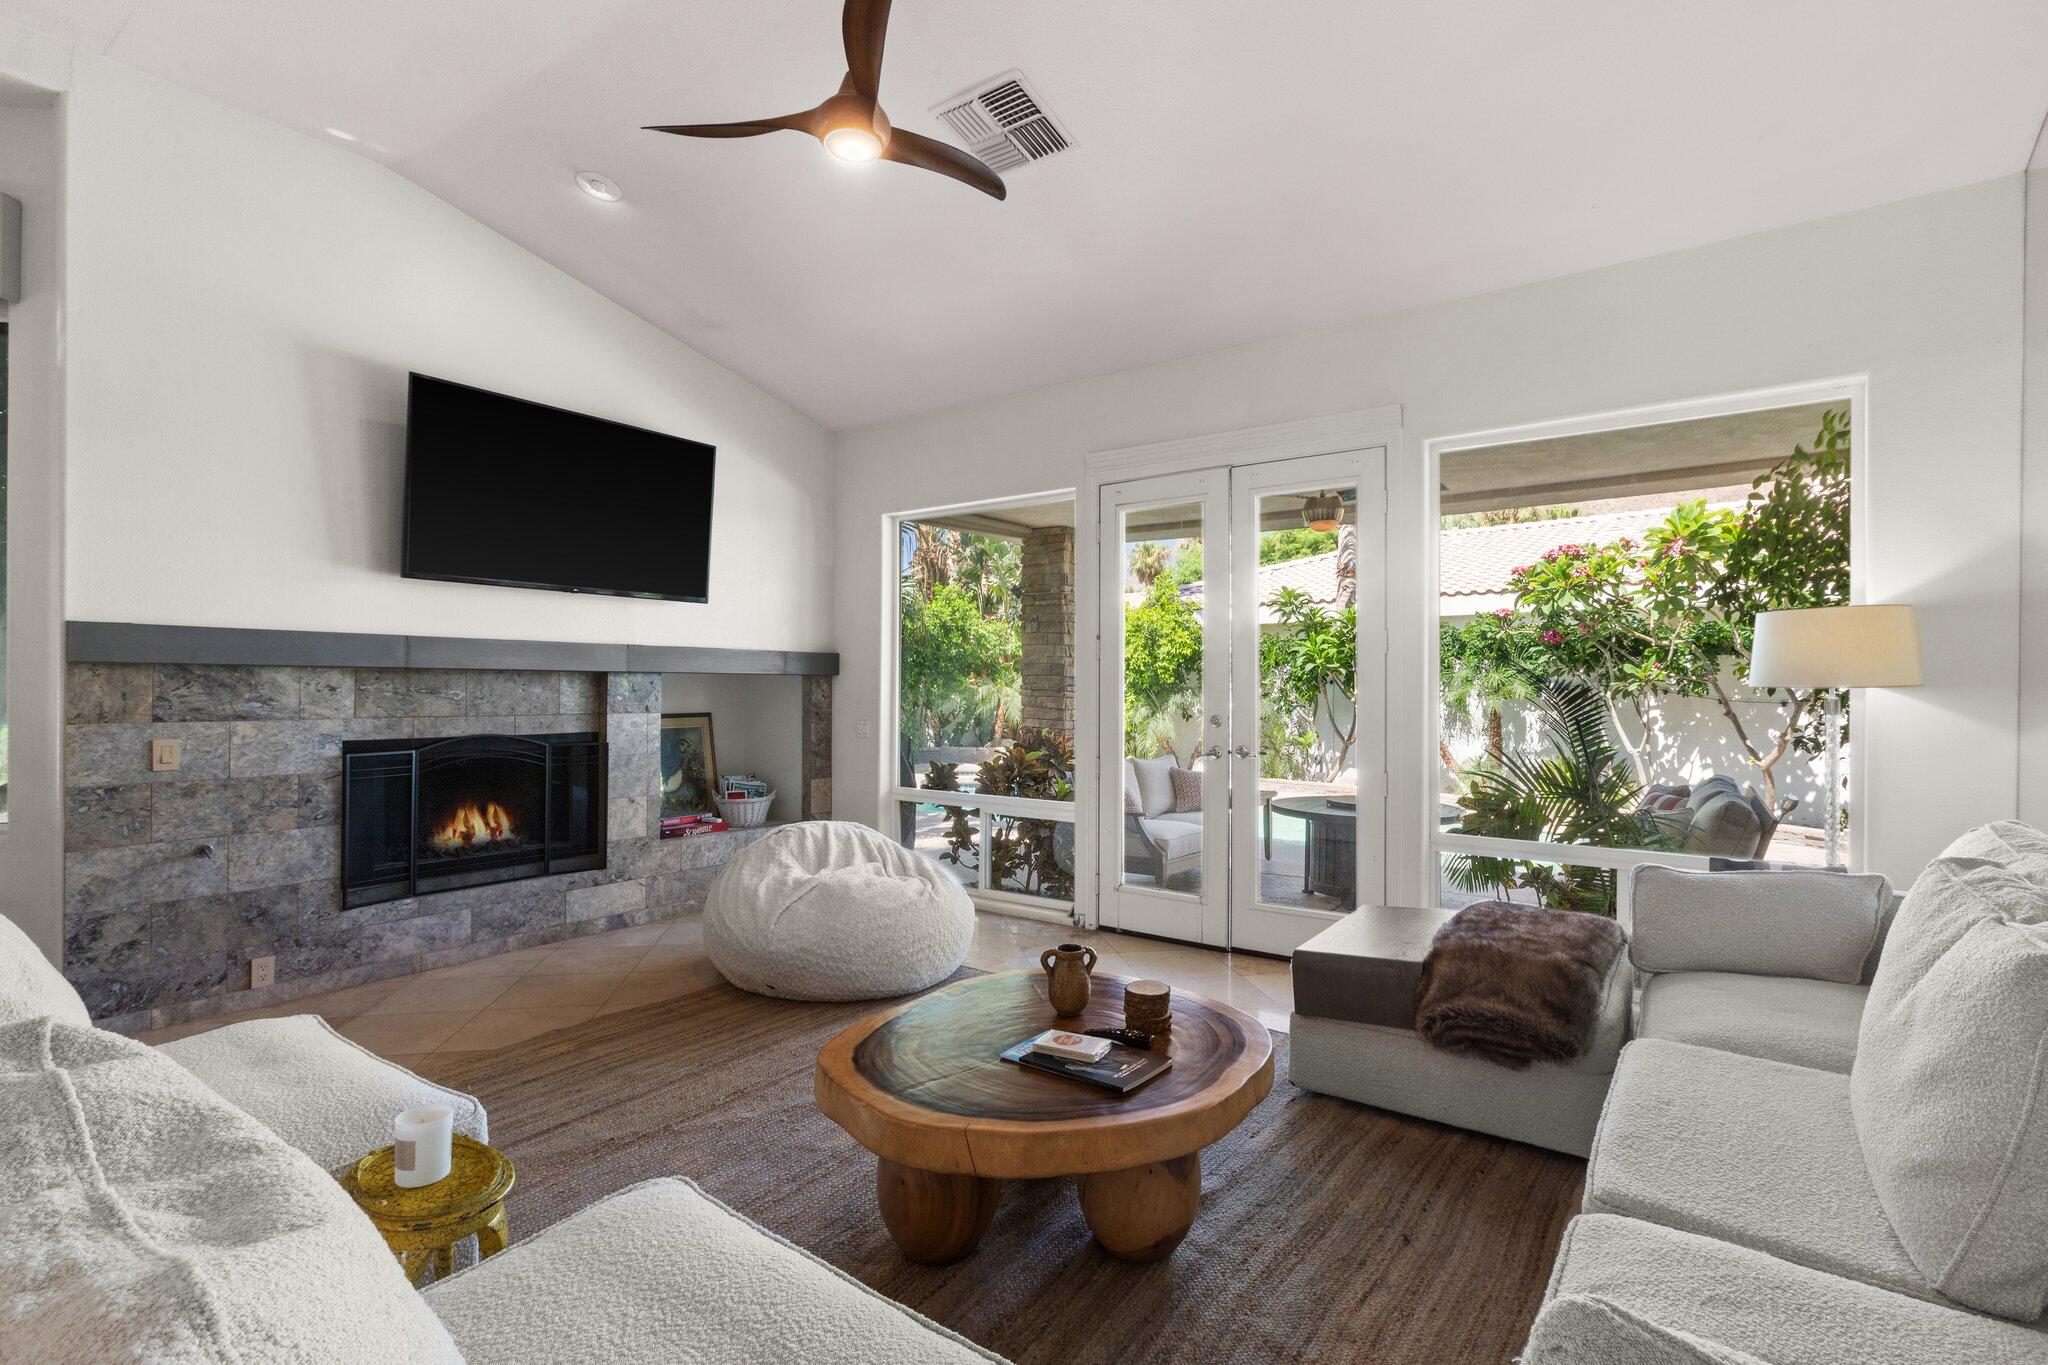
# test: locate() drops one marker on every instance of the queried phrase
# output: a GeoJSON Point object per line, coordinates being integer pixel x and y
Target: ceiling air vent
{"type": "Point", "coordinates": [1002, 122]}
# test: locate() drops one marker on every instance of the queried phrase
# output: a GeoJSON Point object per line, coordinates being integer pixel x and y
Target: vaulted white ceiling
{"type": "Point", "coordinates": [1240, 170]}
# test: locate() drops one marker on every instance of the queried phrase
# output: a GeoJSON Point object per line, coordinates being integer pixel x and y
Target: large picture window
{"type": "Point", "coordinates": [985, 698]}
{"type": "Point", "coordinates": [1596, 608]}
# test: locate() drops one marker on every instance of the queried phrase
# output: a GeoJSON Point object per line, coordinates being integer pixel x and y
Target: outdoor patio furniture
{"type": "Point", "coordinates": [1159, 841]}
{"type": "Point", "coordinates": [1717, 818]}
{"type": "Point", "coordinates": [1330, 866]}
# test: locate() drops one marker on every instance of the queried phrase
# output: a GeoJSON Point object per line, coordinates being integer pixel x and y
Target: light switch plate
{"type": "Point", "coordinates": [262, 971]}
{"type": "Point", "coordinates": [165, 755]}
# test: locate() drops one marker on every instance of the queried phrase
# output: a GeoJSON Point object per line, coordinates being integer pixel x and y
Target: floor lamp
{"type": "Point", "coordinates": [1834, 648]}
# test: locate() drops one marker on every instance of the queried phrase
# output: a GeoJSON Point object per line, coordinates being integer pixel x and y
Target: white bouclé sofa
{"type": "Point", "coordinates": [1828, 1144]}
{"type": "Point", "coordinates": [176, 1203]}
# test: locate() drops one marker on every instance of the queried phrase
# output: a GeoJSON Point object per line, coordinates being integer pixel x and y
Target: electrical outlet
{"type": "Point", "coordinates": [262, 971]}
{"type": "Point", "coordinates": [863, 730]}
{"type": "Point", "coordinates": [165, 755]}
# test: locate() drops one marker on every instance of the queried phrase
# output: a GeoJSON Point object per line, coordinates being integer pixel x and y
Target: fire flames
{"type": "Point", "coordinates": [471, 826]}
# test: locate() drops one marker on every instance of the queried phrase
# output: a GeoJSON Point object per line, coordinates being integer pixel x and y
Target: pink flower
{"type": "Point", "coordinates": [1626, 543]}
{"type": "Point", "coordinates": [1551, 637]}
{"type": "Point", "coordinates": [1504, 613]}
{"type": "Point", "coordinates": [1519, 570]}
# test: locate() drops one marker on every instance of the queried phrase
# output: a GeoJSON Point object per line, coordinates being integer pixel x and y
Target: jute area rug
{"type": "Point", "coordinates": [1328, 1231]}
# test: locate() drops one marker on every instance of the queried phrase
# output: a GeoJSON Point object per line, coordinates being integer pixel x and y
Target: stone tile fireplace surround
{"type": "Point", "coordinates": [175, 881]}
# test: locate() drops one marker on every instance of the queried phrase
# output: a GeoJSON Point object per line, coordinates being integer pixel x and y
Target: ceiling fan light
{"type": "Point", "coordinates": [1322, 513]}
{"type": "Point", "coordinates": [853, 144]}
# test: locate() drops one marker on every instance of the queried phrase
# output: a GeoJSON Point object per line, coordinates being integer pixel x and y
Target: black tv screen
{"type": "Point", "coordinates": [499, 490]}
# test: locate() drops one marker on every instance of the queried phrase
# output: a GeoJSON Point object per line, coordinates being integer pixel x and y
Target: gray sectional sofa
{"type": "Point", "coordinates": [1828, 1141]}
{"type": "Point", "coordinates": [177, 1203]}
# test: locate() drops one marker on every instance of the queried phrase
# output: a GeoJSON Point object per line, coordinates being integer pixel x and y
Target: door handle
{"type": "Point", "coordinates": [1211, 752]}
{"type": "Point", "coordinates": [1243, 752]}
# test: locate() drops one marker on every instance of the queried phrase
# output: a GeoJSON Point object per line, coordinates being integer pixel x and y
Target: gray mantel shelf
{"type": "Point", "coordinates": [121, 642]}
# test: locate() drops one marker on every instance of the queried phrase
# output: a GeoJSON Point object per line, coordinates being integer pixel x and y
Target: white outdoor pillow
{"type": "Point", "coordinates": [1950, 1085]}
{"type": "Point", "coordinates": [30, 988]}
{"type": "Point", "coordinates": [144, 1218]}
{"type": "Point", "coordinates": [1155, 784]}
{"type": "Point", "coordinates": [1817, 925]}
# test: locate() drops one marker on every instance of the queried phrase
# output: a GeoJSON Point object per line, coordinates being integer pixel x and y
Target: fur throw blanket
{"type": "Point", "coordinates": [1516, 984]}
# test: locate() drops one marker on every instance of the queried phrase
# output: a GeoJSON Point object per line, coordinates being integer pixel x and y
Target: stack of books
{"type": "Point", "coordinates": [1096, 1061]}
{"type": "Point", "coordinates": [743, 786]}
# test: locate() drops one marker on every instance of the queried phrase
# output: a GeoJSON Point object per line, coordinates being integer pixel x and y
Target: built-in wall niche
{"type": "Point", "coordinates": [757, 726]}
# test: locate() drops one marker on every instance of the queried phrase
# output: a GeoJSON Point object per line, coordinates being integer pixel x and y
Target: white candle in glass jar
{"type": "Point", "coordinates": [421, 1139]}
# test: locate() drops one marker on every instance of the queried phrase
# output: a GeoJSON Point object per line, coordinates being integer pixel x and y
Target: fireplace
{"type": "Point", "coordinates": [425, 815]}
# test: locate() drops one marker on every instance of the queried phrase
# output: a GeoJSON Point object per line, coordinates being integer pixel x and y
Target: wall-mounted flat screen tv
{"type": "Point", "coordinates": [502, 491]}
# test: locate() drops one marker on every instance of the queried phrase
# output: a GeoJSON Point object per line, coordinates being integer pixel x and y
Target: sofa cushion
{"type": "Point", "coordinates": [30, 988]}
{"type": "Point", "coordinates": [1813, 924]}
{"type": "Point", "coordinates": [1950, 1085]}
{"type": "Point", "coordinates": [1580, 1329]}
{"type": "Point", "coordinates": [661, 1272]}
{"type": "Point", "coordinates": [1174, 838]}
{"type": "Point", "coordinates": [1745, 1301]}
{"type": "Point", "coordinates": [1155, 783]}
{"type": "Point", "coordinates": [1751, 1151]}
{"type": "Point", "coordinates": [1187, 789]}
{"type": "Point", "coordinates": [323, 1094]}
{"type": "Point", "coordinates": [142, 1217]}
{"type": "Point", "coordinates": [1784, 1018]}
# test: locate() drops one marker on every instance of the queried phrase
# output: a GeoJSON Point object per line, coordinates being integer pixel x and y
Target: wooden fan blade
{"type": "Point", "coordinates": [864, 26]}
{"type": "Point", "coordinates": [806, 122]}
{"type": "Point", "coordinates": [926, 154]}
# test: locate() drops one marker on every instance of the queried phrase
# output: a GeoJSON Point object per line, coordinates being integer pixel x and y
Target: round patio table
{"type": "Point", "coordinates": [1330, 865]}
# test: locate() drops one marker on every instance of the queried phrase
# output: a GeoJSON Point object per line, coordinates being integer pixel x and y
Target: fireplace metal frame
{"type": "Point", "coordinates": [372, 759]}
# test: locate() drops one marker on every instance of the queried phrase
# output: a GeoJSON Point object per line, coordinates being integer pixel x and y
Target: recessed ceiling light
{"type": "Point", "coordinates": [599, 186]}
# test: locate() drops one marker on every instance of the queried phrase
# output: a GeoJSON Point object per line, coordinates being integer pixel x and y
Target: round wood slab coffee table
{"type": "Point", "coordinates": [923, 1086]}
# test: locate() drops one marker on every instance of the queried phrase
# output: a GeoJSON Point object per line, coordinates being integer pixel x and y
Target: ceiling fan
{"type": "Point", "coordinates": [851, 124]}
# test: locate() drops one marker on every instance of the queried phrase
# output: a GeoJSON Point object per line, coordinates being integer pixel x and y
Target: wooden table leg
{"type": "Point", "coordinates": [1142, 1213]}
{"type": "Point", "coordinates": [934, 1218]}
{"type": "Point", "coordinates": [492, 1237]}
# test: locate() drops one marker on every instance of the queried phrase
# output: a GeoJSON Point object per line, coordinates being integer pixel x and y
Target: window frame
{"type": "Point", "coordinates": [895, 796]}
{"type": "Point", "coordinates": [1853, 390]}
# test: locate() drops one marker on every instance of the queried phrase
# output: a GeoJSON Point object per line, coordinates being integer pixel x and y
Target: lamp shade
{"type": "Point", "coordinates": [1832, 647]}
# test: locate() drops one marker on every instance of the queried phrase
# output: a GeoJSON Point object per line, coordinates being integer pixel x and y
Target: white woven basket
{"type": "Point", "coordinates": [746, 812]}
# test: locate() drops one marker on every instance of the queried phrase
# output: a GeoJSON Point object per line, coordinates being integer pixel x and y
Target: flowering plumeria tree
{"type": "Point", "coordinates": [1672, 614]}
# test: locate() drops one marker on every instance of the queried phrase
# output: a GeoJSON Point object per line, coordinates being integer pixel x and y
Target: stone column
{"type": "Point", "coordinates": [817, 722]}
{"type": "Point", "coordinates": [1048, 621]}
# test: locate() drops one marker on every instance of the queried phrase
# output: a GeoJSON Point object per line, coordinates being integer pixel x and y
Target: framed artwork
{"type": "Point", "coordinates": [689, 770]}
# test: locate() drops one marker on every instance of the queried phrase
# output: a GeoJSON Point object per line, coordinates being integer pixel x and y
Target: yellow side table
{"type": "Point", "coordinates": [423, 1224]}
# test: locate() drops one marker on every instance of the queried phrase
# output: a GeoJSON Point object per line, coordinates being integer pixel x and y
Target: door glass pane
{"type": "Point", "coordinates": [1163, 706]}
{"type": "Point", "coordinates": [1031, 857]}
{"type": "Point", "coordinates": [1307, 590]}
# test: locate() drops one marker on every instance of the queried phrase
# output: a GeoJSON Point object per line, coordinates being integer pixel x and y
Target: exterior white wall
{"type": "Point", "coordinates": [1922, 296]}
{"type": "Point", "coordinates": [244, 304]}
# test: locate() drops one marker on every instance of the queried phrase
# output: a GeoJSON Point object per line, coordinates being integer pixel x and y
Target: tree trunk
{"type": "Point", "coordinates": [1636, 756]}
{"type": "Point", "coordinates": [1496, 746]}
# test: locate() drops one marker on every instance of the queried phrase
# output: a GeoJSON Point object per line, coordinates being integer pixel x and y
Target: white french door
{"type": "Point", "coordinates": [1165, 706]}
{"type": "Point", "coordinates": [1243, 649]}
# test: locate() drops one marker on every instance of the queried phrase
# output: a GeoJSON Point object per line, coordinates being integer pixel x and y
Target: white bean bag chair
{"type": "Point", "coordinates": [828, 910]}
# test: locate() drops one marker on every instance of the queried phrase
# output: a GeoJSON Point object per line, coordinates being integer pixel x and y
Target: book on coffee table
{"type": "Point", "coordinates": [1122, 1069]}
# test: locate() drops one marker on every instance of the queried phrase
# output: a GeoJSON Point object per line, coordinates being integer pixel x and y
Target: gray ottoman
{"type": "Point", "coordinates": [1354, 1037]}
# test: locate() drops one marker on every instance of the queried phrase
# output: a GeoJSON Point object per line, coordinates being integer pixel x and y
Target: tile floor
{"type": "Point", "coordinates": [498, 1001]}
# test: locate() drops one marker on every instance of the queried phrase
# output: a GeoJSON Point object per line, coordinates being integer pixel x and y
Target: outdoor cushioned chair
{"type": "Point", "coordinates": [1717, 818]}
{"type": "Point", "coordinates": [1159, 841]}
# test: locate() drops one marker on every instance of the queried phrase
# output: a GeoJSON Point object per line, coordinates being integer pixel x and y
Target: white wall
{"type": "Point", "coordinates": [757, 726]}
{"type": "Point", "coordinates": [31, 841]}
{"type": "Point", "coordinates": [244, 304]}
{"type": "Point", "coordinates": [2033, 785]}
{"type": "Point", "coordinates": [1923, 297]}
